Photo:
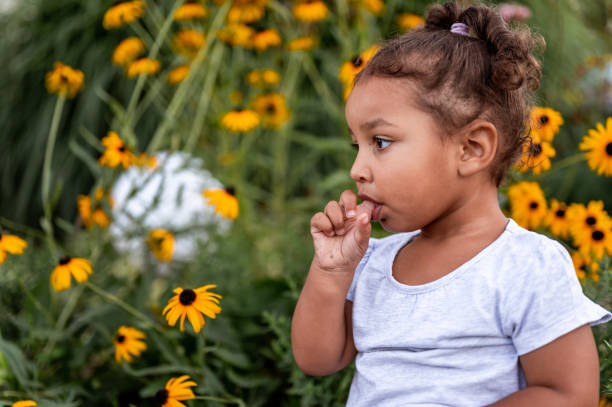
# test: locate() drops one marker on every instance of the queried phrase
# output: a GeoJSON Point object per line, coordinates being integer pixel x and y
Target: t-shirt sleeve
{"type": "Point", "coordinates": [364, 260]}
{"type": "Point", "coordinates": [545, 300]}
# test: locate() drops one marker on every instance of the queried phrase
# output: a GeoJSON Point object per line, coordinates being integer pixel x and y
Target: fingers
{"type": "Point", "coordinates": [336, 216]}
{"type": "Point", "coordinates": [348, 202]}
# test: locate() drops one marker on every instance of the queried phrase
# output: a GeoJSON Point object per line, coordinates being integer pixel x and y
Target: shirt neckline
{"type": "Point", "coordinates": [432, 285]}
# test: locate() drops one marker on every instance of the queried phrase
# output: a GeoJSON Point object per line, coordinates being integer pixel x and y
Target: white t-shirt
{"type": "Point", "coordinates": [456, 341]}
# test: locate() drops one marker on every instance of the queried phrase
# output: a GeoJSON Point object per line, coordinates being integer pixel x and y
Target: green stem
{"type": "Point", "coordinates": [46, 175]}
{"type": "Point", "coordinates": [32, 298]}
{"type": "Point", "coordinates": [22, 228]}
{"type": "Point", "coordinates": [150, 323]}
{"type": "Point", "coordinates": [232, 400]}
{"type": "Point", "coordinates": [205, 97]}
{"type": "Point", "coordinates": [63, 318]}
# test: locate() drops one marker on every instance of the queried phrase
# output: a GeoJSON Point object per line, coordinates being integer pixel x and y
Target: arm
{"type": "Point", "coordinates": [321, 328]}
{"type": "Point", "coordinates": [564, 373]}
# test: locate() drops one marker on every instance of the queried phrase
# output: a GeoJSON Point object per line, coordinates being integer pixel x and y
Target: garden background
{"type": "Point", "coordinates": [249, 95]}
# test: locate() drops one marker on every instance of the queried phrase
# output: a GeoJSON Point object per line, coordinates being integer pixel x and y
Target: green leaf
{"type": "Point", "coordinates": [232, 357]}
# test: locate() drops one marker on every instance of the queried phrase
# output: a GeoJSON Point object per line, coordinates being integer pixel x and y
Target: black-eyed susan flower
{"type": "Point", "coordinates": [77, 267]}
{"type": "Point", "coordinates": [127, 51]}
{"type": "Point", "coordinates": [239, 35]}
{"type": "Point", "coordinates": [123, 12]}
{"type": "Point", "coordinates": [188, 42]}
{"type": "Point", "coordinates": [407, 21]}
{"type": "Point", "coordinates": [302, 44]}
{"type": "Point", "coordinates": [310, 10]}
{"type": "Point", "coordinates": [143, 66]}
{"type": "Point", "coordinates": [24, 403]}
{"type": "Point", "coordinates": [224, 201]}
{"type": "Point", "coordinates": [375, 7]}
{"type": "Point", "coordinates": [262, 40]}
{"type": "Point", "coordinates": [177, 389]}
{"type": "Point", "coordinates": [349, 69]}
{"type": "Point", "coordinates": [116, 153]}
{"type": "Point", "coordinates": [191, 10]}
{"type": "Point", "coordinates": [240, 121]}
{"type": "Point", "coordinates": [582, 218]}
{"type": "Point", "coordinates": [604, 402]}
{"type": "Point", "coordinates": [161, 243]}
{"type": "Point", "coordinates": [11, 244]}
{"type": "Point", "coordinates": [598, 144]}
{"type": "Point", "coordinates": [246, 11]}
{"type": "Point", "coordinates": [557, 219]}
{"type": "Point", "coordinates": [536, 157]}
{"type": "Point", "coordinates": [192, 304]}
{"type": "Point", "coordinates": [178, 74]}
{"type": "Point", "coordinates": [585, 266]}
{"type": "Point", "coordinates": [528, 205]}
{"type": "Point", "coordinates": [64, 80]}
{"type": "Point", "coordinates": [129, 343]}
{"type": "Point", "coordinates": [263, 78]}
{"type": "Point", "coordinates": [595, 241]}
{"type": "Point", "coordinates": [93, 213]}
{"type": "Point", "coordinates": [272, 109]}
{"type": "Point", "coordinates": [544, 123]}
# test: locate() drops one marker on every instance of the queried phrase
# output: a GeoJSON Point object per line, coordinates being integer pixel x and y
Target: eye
{"type": "Point", "coordinates": [380, 142]}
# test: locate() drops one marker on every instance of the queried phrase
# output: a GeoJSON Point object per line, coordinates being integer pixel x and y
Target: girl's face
{"type": "Point", "coordinates": [401, 162]}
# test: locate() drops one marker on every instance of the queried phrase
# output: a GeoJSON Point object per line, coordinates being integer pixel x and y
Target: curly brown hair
{"type": "Point", "coordinates": [490, 74]}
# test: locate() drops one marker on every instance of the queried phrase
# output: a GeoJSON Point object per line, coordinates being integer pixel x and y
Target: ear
{"type": "Point", "coordinates": [477, 147]}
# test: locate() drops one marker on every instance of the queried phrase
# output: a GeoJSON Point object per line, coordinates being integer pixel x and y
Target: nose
{"type": "Point", "coordinates": [360, 171]}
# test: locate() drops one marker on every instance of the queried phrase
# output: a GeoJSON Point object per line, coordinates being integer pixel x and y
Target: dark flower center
{"type": "Point", "coordinates": [63, 78]}
{"type": "Point", "coordinates": [119, 2]}
{"type": "Point", "coordinates": [120, 338]}
{"type": "Point", "coordinates": [533, 205]}
{"type": "Point", "coordinates": [64, 260]}
{"type": "Point", "coordinates": [187, 297]}
{"type": "Point", "coordinates": [231, 191]}
{"type": "Point", "coordinates": [609, 149]}
{"type": "Point", "coordinates": [122, 149]}
{"type": "Point", "coordinates": [161, 396]}
{"type": "Point", "coordinates": [544, 119]}
{"type": "Point", "coordinates": [591, 221]}
{"type": "Point", "coordinates": [270, 108]}
{"type": "Point", "coordinates": [357, 61]}
{"type": "Point", "coordinates": [597, 235]}
{"type": "Point", "coordinates": [560, 213]}
{"type": "Point", "coordinates": [536, 149]}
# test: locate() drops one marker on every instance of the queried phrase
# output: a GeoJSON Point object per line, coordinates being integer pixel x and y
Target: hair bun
{"type": "Point", "coordinates": [442, 17]}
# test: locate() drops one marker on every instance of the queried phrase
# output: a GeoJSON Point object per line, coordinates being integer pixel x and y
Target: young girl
{"type": "Point", "coordinates": [460, 306]}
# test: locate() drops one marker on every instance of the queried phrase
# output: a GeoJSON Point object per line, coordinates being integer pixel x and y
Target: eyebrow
{"type": "Point", "coordinates": [372, 124]}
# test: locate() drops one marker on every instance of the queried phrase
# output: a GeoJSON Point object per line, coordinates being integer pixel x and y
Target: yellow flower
{"type": "Point", "coordinates": [123, 12]}
{"type": "Point", "coordinates": [544, 123]}
{"type": "Point", "coordinates": [129, 342]}
{"type": "Point", "coordinates": [301, 44]}
{"type": "Point", "coordinates": [224, 201]}
{"type": "Point", "coordinates": [188, 42]}
{"type": "Point", "coordinates": [178, 74]}
{"type": "Point", "coordinates": [557, 219]}
{"type": "Point", "coordinates": [145, 161]}
{"type": "Point", "coordinates": [116, 152]}
{"type": "Point", "coordinates": [240, 120]}
{"type": "Point", "coordinates": [143, 66]}
{"type": "Point", "coordinates": [598, 143]}
{"type": "Point", "coordinates": [98, 216]}
{"type": "Point", "coordinates": [246, 11]}
{"type": "Point", "coordinates": [64, 80]}
{"type": "Point", "coordinates": [527, 204]}
{"type": "Point", "coordinates": [272, 109]}
{"type": "Point", "coordinates": [127, 51]}
{"type": "Point", "coordinates": [583, 218]}
{"type": "Point", "coordinates": [177, 389]}
{"type": "Point", "coordinates": [603, 402]}
{"type": "Point", "coordinates": [237, 35]}
{"type": "Point", "coordinates": [24, 403]}
{"type": "Point", "coordinates": [161, 243]}
{"type": "Point", "coordinates": [536, 157]}
{"type": "Point", "coordinates": [265, 39]}
{"type": "Point", "coordinates": [192, 303]}
{"type": "Point", "coordinates": [375, 7]}
{"type": "Point", "coordinates": [349, 69]}
{"type": "Point", "coordinates": [408, 21]}
{"type": "Point", "coordinates": [262, 78]}
{"type": "Point", "coordinates": [11, 244]}
{"type": "Point", "coordinates": [77, 267]}
{"type": "Point", "coordinates": [585, 267]}
{"type": "Point", "coordinates": [596, 241]}
{"type": "Point", "coordinates": [191, 10]}
{"type": "Point", "coordinates": [310, 10]}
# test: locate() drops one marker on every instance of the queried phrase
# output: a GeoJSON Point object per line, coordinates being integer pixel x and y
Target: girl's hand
{"type": "Point", "coordinates": [341, 233]}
